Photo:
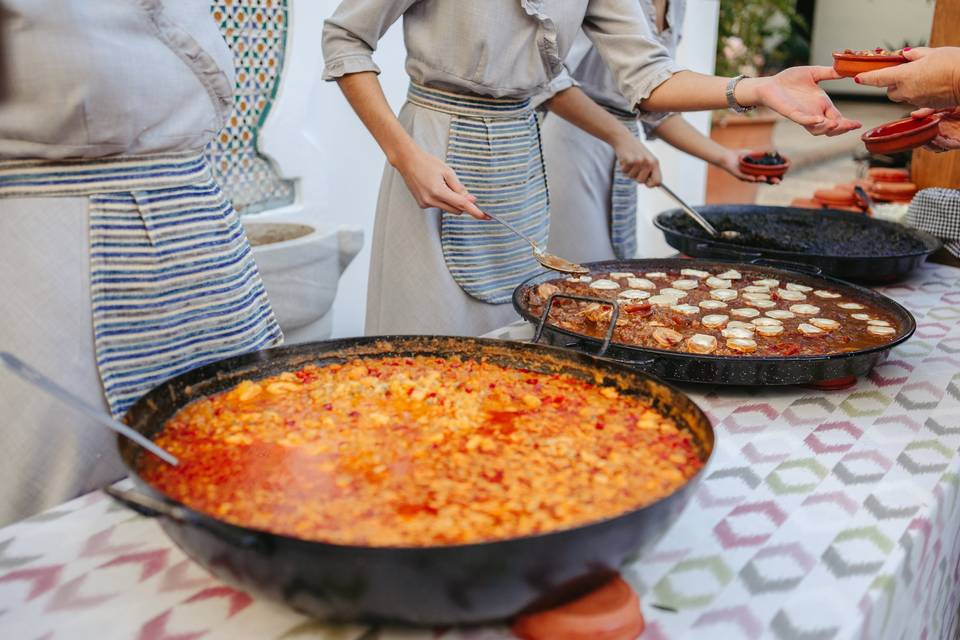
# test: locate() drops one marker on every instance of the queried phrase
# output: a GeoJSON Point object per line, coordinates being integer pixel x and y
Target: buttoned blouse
{"type": "Point", "coordinates": [586, 65]}
{"type": "Point", "coordinates": [94, 78]}
{"type": "Point", "coordinates": [499, 48]}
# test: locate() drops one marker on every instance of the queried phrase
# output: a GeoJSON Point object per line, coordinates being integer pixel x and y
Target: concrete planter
{"type": "Point", "coordinates": [301, 267]}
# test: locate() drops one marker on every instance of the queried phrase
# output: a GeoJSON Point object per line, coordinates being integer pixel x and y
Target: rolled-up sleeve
{"type": "Point", "coordinates": [561, 83]}
{"type": "Point", "coordinates": [622, 36]}
{"type": "Point", "coordinates": [651, 121]}
{"type": "Point", "coordinates": [351, 34]}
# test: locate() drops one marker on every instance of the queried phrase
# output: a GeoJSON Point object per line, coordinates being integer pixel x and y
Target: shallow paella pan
{"type": "Point", "coordinates": [842, 244]}
{"type": "Point", "coordinates": [725, 369]}
{"type": "Point", "coordinates": [453, 584]}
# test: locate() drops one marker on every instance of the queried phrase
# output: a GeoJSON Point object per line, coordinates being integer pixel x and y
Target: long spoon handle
{"type": "Point", "coordinates": [37, 379]}
{"type": "Point", "coordinates": [709, 228]}
{"type": "Point", "coordinates": [515, 231]}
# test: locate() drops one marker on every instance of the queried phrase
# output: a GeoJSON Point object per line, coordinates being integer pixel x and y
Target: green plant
{"type": "Point", "coordinates": [760, 37]}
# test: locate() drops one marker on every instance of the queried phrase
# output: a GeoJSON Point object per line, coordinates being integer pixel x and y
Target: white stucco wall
{"type": "Point", "coordinates": [685, 175]}
{"type": "Point", "coordinates": [344, 164]}
{"type": "Point", "coordinates": [866, 24]}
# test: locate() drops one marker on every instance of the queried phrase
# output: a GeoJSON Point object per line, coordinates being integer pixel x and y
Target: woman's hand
{"type": "Point", "coordinates": [730, 162]}
{"type": "Point", "coordinates": [949, 137]}
{"type": "Point", "coordinates": [636, 161]}
{"type": "Point", "coordinates": [796, 94]}
{"type": "Point", "coordinates": [433, 184]}
{"type": "Point", "coordinates": [930, 79]}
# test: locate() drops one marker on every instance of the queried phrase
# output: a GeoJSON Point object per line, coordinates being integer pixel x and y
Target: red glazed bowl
{"type": "Point", "coordinates": [764, 170]}
{"type": "Point", "coordinates": [880, 174]}
{"type": "Point", "coordinates": [852, 64]}
{"type": "Point", "coordinates": [902, 135]}
{"type": "Point", "coordinates": [895, 189]}
{"type": "Point", "coordinates": [835, 197]}
{"type": "Point", "coordinates": [805, 203]}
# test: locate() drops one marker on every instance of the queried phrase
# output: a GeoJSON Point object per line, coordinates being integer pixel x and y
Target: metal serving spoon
{"type": "Point", "coordinates": [699, 219]}
{"type": "Point", "coordinates": [548, 260]}
{"type": "Point", "coordinates": [865, 198]}
{"type": "Point", "coordinates": [37, 379]}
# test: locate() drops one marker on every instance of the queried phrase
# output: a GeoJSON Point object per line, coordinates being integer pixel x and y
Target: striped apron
{"type": "Point", "coordinates": [494, 147]}
{"type": "Point", "coordinates": [623, 205]}
{"type": "Point", "coordinates": [173, 281]}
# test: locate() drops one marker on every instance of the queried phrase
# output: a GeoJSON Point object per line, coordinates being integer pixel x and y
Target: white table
{"type": "Point", "coordinates": [824, 514]}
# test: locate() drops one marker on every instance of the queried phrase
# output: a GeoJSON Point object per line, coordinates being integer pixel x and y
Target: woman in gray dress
{"type": "Point", "coordinates": [593, 212]}
{"type": "Point", "coordinates": [467, 138]}
{"type": "Point", "coordinates": [121, 262]}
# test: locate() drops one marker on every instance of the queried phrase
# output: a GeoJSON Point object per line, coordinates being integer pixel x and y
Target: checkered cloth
{"type": "Point", "coordinates": [937, 211]}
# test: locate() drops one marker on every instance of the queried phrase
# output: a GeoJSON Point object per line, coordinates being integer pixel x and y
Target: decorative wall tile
{"type": "Point", "coordinates": [256, 31]}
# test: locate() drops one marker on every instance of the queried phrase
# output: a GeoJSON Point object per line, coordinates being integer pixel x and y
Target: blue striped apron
{"type": "Point", "coordinates": [173, 281]}
{"type": "Point", "coordinates": [623, 204]}
{"type": "Point", "coordinates": [494, 147]}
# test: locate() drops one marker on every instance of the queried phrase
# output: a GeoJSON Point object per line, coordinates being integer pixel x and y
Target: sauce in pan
{"type": "Point", "coordinates": [724, 312]}
{"type": "Point", "coordinates": [420, 451]}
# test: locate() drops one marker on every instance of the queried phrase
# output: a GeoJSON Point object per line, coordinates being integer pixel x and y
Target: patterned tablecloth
{"type": "Point", "coordinates": [824, 514]}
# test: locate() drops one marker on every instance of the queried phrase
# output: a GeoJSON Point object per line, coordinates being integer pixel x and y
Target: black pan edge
{"type": "Point", "coordinates": [932, 243]}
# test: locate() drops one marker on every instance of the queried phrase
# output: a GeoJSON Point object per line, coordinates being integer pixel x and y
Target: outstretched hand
{"type": "Point", "coordinates": [796, 94]}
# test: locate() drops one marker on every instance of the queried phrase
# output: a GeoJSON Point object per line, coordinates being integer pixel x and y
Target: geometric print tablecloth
{"type": "Point", "coordinates": [823, 514]}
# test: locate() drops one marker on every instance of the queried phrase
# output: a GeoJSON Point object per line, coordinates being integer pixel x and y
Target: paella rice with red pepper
{"type": "Point", "coordinates": [420, 451]}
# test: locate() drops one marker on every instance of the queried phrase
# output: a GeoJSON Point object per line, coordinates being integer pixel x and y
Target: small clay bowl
{"type": "Point", "coordinates": [835, 198]}
{"type": "Point", "coordinates": [805, 203]}
{"type": "Point", "coordinates": [902, 135]}
{"type": "Point", "coordinates": [885, 197]}
{"type": "Point", "coordinates": [895, 189]}
{"type": "Point", "coordinates": [763, 170]}
{"type": "Point", "coordinates": [880, 174]}
{"type": "Point", "coordinates": [849, 65]}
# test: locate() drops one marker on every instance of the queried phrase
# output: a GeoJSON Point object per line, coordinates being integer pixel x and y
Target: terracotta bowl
{"type": "Point", "coordinates": [902, 135]}
{"type": "Point", "coordinates": [764, 170]}
{"type": "Point", "coordinates": [851, 64]}
{"type": "Point", "coordinates": [805, 203]}
{"type": "Point", "coordinates": [895, 189]}
{"type": "Point", "coordinates": [886, 197]}
{"type": "Point", "coordinates": [880, 174]}
{"type": "Point", "coordinates": [835, 197]}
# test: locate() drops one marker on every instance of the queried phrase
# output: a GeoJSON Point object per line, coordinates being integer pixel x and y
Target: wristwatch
{"type": "Point", "coordinates": [735, 106]}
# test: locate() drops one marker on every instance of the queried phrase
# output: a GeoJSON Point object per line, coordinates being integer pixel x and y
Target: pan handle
{"type": "Point", "coordinates": [150, 507]}
{"type": "Point", "coordinates": [710, 250]}
{"type": "Point", "coordinates": [608, 338]}
{"type": "Point", "coordinates": [800, 267]}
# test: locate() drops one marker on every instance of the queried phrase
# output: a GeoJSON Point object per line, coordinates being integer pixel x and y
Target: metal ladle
{"type": "Point", "coordinates": [548, 260]}
{"type": "Point", "coordinates": [27, 373]}
{"type": "Point", "coordinates": [699, 219]}
{"type": "Point", "coordinates": [865, 199]}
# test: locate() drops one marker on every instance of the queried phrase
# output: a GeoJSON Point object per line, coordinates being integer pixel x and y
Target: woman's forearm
{"type": "Point", "coordinates": [365, 95]}
{"type": "Point", "coordinates": [430, 181]}
{"type": "Point", "coordinates": [682, 135]}
{"type": "Point", "coordinates": [691, 91]}
{"type": "Point", "coordinates": [634, 158]}
{"type": "Point", "coordinates": [577, 108]}
{"type": "Point", "coordinates": [794, 93]}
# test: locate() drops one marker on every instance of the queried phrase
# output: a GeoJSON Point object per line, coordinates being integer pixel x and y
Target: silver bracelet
{"type": "Point", "coordinates": [735, 106]}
